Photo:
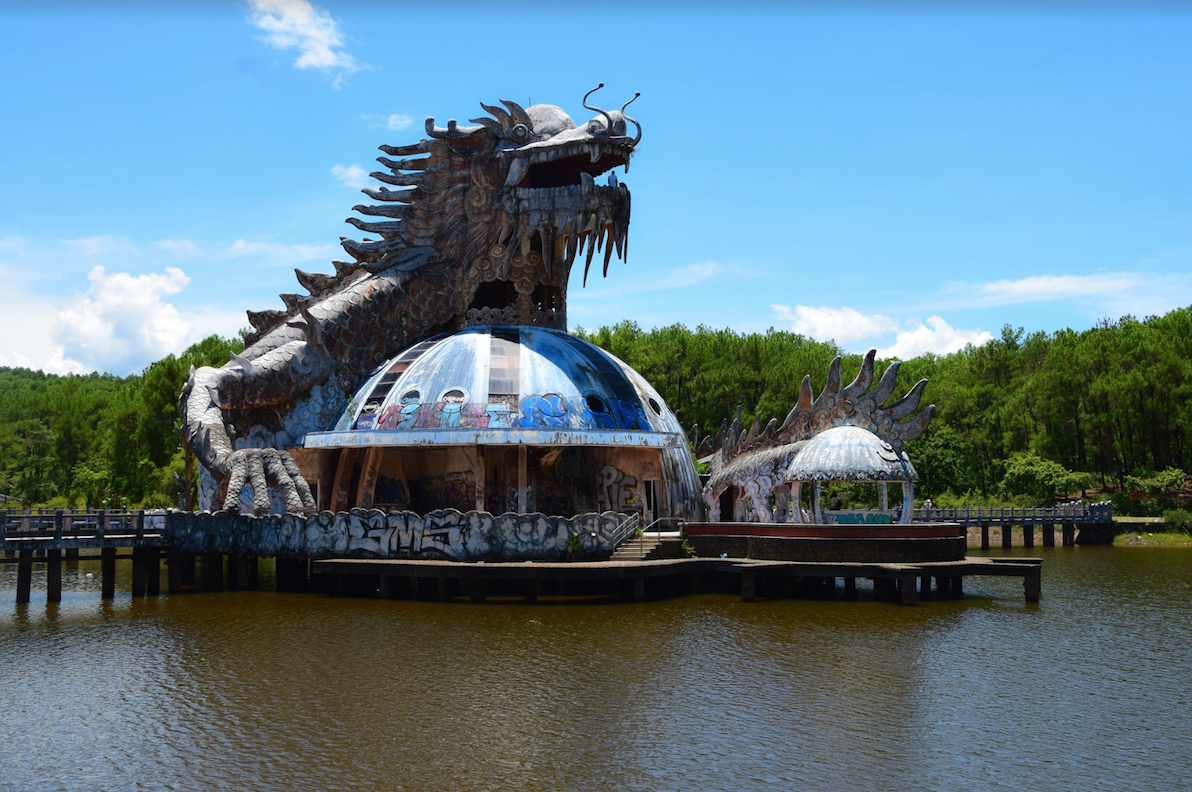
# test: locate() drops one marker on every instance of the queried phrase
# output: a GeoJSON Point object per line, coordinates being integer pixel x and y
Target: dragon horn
{"type": "Point", "coordinates": [638, 138]}
{"type": "Point", "coordinates": [604, 113]}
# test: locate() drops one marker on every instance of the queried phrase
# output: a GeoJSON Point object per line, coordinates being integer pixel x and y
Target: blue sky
{"type": "Point", "coordinates": [910, 179]}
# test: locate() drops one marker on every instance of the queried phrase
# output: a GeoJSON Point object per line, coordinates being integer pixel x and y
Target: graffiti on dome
{"type": "Point", "coordinates": [548, 411]}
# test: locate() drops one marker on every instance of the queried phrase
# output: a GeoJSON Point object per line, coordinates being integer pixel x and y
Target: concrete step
{"type": "Point", "coordinates": [635, 549]}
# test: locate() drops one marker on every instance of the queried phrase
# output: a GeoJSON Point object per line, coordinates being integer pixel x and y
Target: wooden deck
{"type": "Point", "coordinates": [904, 583]}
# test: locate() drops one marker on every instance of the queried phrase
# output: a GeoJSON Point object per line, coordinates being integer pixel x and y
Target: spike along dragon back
{"type": "Point", "coordinates": [483, 228]}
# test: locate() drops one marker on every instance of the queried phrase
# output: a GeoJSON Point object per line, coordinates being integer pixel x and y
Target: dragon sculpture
{"type": "Point", "coordinates": [484, 229]}
{"type": "Point", "coordinates": [755, 460]}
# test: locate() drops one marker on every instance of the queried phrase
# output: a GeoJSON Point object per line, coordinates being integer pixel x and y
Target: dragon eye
{"type": "Point", "coordinates": [519, 132]}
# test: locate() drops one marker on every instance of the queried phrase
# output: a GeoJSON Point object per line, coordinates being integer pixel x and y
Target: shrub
{"type": "Point", "coordinates": [1177, 519]}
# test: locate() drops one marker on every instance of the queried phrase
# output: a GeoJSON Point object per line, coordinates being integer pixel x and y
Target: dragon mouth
{"type": "Point", "coordinates": [565, 166]}
{"type": "Point", "coordinates": [565, 211]}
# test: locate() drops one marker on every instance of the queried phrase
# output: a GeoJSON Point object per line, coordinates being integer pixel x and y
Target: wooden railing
{"type": "Point", "coordinates": [1075, 513]}
{"type": "Point", "coordinates": [44, 529]}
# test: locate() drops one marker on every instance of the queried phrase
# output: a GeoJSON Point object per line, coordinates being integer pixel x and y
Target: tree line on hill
{"type": "Point", "coordinates": [1022, 419]}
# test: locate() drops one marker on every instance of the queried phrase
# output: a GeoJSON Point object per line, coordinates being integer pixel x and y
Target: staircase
{"type": "Point", "coordinates": [636, 548]}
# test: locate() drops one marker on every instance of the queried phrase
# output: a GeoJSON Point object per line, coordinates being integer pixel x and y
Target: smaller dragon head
{"type": "Point", "coordinates": [508, 205]}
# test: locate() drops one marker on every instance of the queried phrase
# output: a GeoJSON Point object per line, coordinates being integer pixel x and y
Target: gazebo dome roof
{"type": "Point", "coordinates": [502, 384]}
{"type": "Point", "coordinates": [849, 453]}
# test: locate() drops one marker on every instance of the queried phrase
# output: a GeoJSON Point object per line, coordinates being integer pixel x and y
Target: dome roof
{"type": "Point", "coordinates": [849, 453]}
{"type": "Point", "coordinates": [488, 385]}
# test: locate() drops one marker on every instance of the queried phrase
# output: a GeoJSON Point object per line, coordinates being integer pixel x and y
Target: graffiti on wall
{"type": "Point", "coordinates": [444, 534]}
{"type": "Point", "coordinates": [617, 491]}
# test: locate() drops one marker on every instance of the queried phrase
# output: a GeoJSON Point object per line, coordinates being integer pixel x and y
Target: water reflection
{"type": "Point", "coordinates": [257, 690]}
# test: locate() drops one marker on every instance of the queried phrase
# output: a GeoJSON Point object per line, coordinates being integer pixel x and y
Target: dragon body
{"type": "Point", "coordinates": [755, 458]}
{"type": "Point", "coordinates": [474, 225]}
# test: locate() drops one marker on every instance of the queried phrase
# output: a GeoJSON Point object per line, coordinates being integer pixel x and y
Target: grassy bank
{"type": "Point", "coordinates": [1161, 538]}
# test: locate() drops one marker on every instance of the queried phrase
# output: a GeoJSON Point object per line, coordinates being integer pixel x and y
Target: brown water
{"type": "Point", "coordinates": [260, 691]}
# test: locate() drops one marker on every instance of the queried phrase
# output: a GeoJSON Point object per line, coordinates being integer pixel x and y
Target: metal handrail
{"type": "Point", "coordinates": [631, 523]}
{"type": "Point", "coordinates": [641, 547]}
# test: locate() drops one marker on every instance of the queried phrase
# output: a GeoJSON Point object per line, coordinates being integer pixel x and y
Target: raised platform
{"type": "Point", "coordinates": [914, 543]}
{"type": "Point", "coordinates": [903, 583]}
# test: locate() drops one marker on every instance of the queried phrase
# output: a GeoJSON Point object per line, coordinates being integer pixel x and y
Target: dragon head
{"type": "Point", "coordinates": [504, 208]}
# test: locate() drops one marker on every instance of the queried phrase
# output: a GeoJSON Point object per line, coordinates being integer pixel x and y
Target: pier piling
{"type": "Point", "coordinates": [53, 576]}
{"type": "Point", "coordinates": [24, 576]}
{"type": "Point", "coordinates": [107, 572]}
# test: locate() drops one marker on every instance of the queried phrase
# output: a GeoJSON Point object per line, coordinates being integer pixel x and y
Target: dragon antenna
{"type": "Point", "coordinates": [637, 139]}
{"type": "Point", "coordinates": [609, 130]}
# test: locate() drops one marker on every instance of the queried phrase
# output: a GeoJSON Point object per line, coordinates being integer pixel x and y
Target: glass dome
{"type": "Point", "coordinates": [495, 385]}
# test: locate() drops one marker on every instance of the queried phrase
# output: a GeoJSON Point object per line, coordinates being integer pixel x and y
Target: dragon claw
{"type": "Point", "coordinates": [262, 469]}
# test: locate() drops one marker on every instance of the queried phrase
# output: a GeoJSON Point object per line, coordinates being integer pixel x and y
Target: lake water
{"type": "Point", "coordinates": [1088, 690]}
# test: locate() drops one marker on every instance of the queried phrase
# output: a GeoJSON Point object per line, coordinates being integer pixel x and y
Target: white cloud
{"type": "Point", "coordinates": [122, 321]}
{"type": "Point", "coordinates": [848, 326]}
{"type": "Point", "coordinates": [18, 246]}
{"type": "Point", "coordinates": [351, 176]}
{"type": "Point", "coordinates": [186, 246]}
{"type": "Point", "coordinates": [296, 24]}
{"type": "Point", "coordinates": [1041, 288]}
{"type": "Point", "coordinates": [845, 326]}
{"type": "Point", "coordinates": [101, 245]}
{"type": "Point", "coordinates": [398, 121]}
{"type": "Point", "coordinates": [23, 340]}
{"type": "Point", "coordinates": [937, 337]}
{"type": "Point", "coordinates": [280, 253]}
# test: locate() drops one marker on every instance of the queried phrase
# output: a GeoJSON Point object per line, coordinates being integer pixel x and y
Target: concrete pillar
{"type": "Point", "coordinates": [173, 571]}
{"type": "Point", "coordinates": [1032, 584]}
{"type": "Point", "coordinates": [1005, 537]}
{"type": "Point", "coordinates": [239, 573]}
{"type": "Point", "coordinates": [1069, 530]}
{"type": "Point", "coordinates": [530, 592]}
{"type": "Point", "coordinates": [213, 573]}
{"type": "Point", "coordinates": [1049, 535]}
{"type": "Point", "coordinates": [152, 571]}
{"type": "Point", "coordinates": [186, 563]}
{"type": "Point", "coordinates": [639, 589]}
{"type": "Point", "coordinates": [907, 585]}
{"type": "Point", "coordinates": [384, 587]}
{"type": "Point", "coordinates": [984, 536]}
{"type": "Point", "coordinates": [748, 586]}
{"type": "Point", "coordinates": [138, 571]}
{"type": "Point", "coordinates": [477, 588]}
{"type": "Point", "coordinates": [24, 576]}
{"type": "Point", "coordinates": [107, 572]}
{"type": "Point", "coordinates": [925, 587]}
{"type": "Point", "coordinates": [522, 481]}
{"type": "Point", "coordinates": [481, 495]}
{"type": "Point", "coordinates": [1028, 535]}
{"type": "Point", "coordinates": [53, 576]}
{"type": "Point", "coordinates": [850, 588]}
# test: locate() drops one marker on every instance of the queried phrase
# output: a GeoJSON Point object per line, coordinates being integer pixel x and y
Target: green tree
{"type": "Point", "coordinates": [1041, 481]}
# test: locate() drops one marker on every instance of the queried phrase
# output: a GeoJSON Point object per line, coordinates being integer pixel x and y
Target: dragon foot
{"type": "Point", "coordinates": [262, 468]}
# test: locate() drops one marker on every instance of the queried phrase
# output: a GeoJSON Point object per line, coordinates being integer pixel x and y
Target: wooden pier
{"type": "Point", "coordinates": [1077, 523]}
{"type": "Point", "coordinates": [637, 580]}
{"type": "Point", "coordinates": [49, 537]}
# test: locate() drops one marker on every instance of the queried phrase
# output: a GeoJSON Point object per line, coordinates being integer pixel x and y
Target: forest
{"type": "Point", "coordinates": [1024, 419]}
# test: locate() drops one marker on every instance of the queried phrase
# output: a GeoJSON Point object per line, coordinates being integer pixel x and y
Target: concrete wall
{"type": "Point", "coordinates": [446, 534]}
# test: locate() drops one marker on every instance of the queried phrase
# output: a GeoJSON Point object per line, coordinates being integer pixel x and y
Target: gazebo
{"type": "Point", "coordinates": [850, 453]}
